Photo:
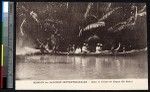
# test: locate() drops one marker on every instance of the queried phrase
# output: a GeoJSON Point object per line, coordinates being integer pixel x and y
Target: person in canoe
{"type": "Point", "coordinates": [98, 48]}
{"type": "Point", "coordinates": [115, 50]}
{"type": "Point", "coordinates": [78, 50]}
{"type": "Point", "coordinates": [71, 48]}
{"type": "Point", "coordinates": [85, 48]}
{"type": "Point", "coordinates": [43, 47]}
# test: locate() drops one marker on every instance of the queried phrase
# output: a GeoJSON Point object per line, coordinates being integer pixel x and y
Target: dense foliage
{"type": "Point", "coordinates": [59, 24]}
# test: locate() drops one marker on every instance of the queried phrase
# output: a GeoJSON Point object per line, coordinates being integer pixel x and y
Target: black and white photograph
{"type": "Point", "coordinates": [81, 41]}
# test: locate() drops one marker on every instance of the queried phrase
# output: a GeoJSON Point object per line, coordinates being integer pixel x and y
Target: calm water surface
{"type": "Point", "coordinates": [49, 67]}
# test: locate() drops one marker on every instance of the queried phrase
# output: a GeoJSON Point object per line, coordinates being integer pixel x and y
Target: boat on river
{"type": "Point", "coordinates": [102, 53]}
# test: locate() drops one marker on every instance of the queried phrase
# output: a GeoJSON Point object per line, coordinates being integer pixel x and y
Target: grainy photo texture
{"type": "Point", "coordinates": [81, 40]}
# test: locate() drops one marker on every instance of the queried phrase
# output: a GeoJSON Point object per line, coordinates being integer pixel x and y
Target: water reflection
{"type": "Point", "coordinates": [81, 67]}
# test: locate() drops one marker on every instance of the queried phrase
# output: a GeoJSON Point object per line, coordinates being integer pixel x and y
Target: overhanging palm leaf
{"type": "Point", "coordinates": [108, 14]}
{"type": "Point", "coordinates": [94, 25]}
{"type": "Point", "coordinates": [100, 22]}
{"type": "Point", "coordinates": [91, 26]}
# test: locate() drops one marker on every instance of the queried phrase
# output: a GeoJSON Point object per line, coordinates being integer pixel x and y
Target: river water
{"type": "Point", "coordinates": [51, 67]}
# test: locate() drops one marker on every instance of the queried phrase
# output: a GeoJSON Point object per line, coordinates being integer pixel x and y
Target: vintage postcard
{"type": "Point", "coordinates": [81, 46]}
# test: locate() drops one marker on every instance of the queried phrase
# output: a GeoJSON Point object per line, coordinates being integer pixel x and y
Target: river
{"type": "Point", "coordinates": [54, 67]}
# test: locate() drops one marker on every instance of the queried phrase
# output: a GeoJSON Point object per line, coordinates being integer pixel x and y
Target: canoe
{"type": "Point", "coordinates": [102, 53]}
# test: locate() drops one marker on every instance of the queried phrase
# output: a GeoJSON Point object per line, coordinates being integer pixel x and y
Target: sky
{"type": "Point", "coordinates": [5, 7]}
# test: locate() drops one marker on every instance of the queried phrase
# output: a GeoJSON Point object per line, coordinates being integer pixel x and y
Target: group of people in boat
{"type": "Point", "coordinates": [84, 48]}
{"type": "Point", "coordinates": [98, 48]}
